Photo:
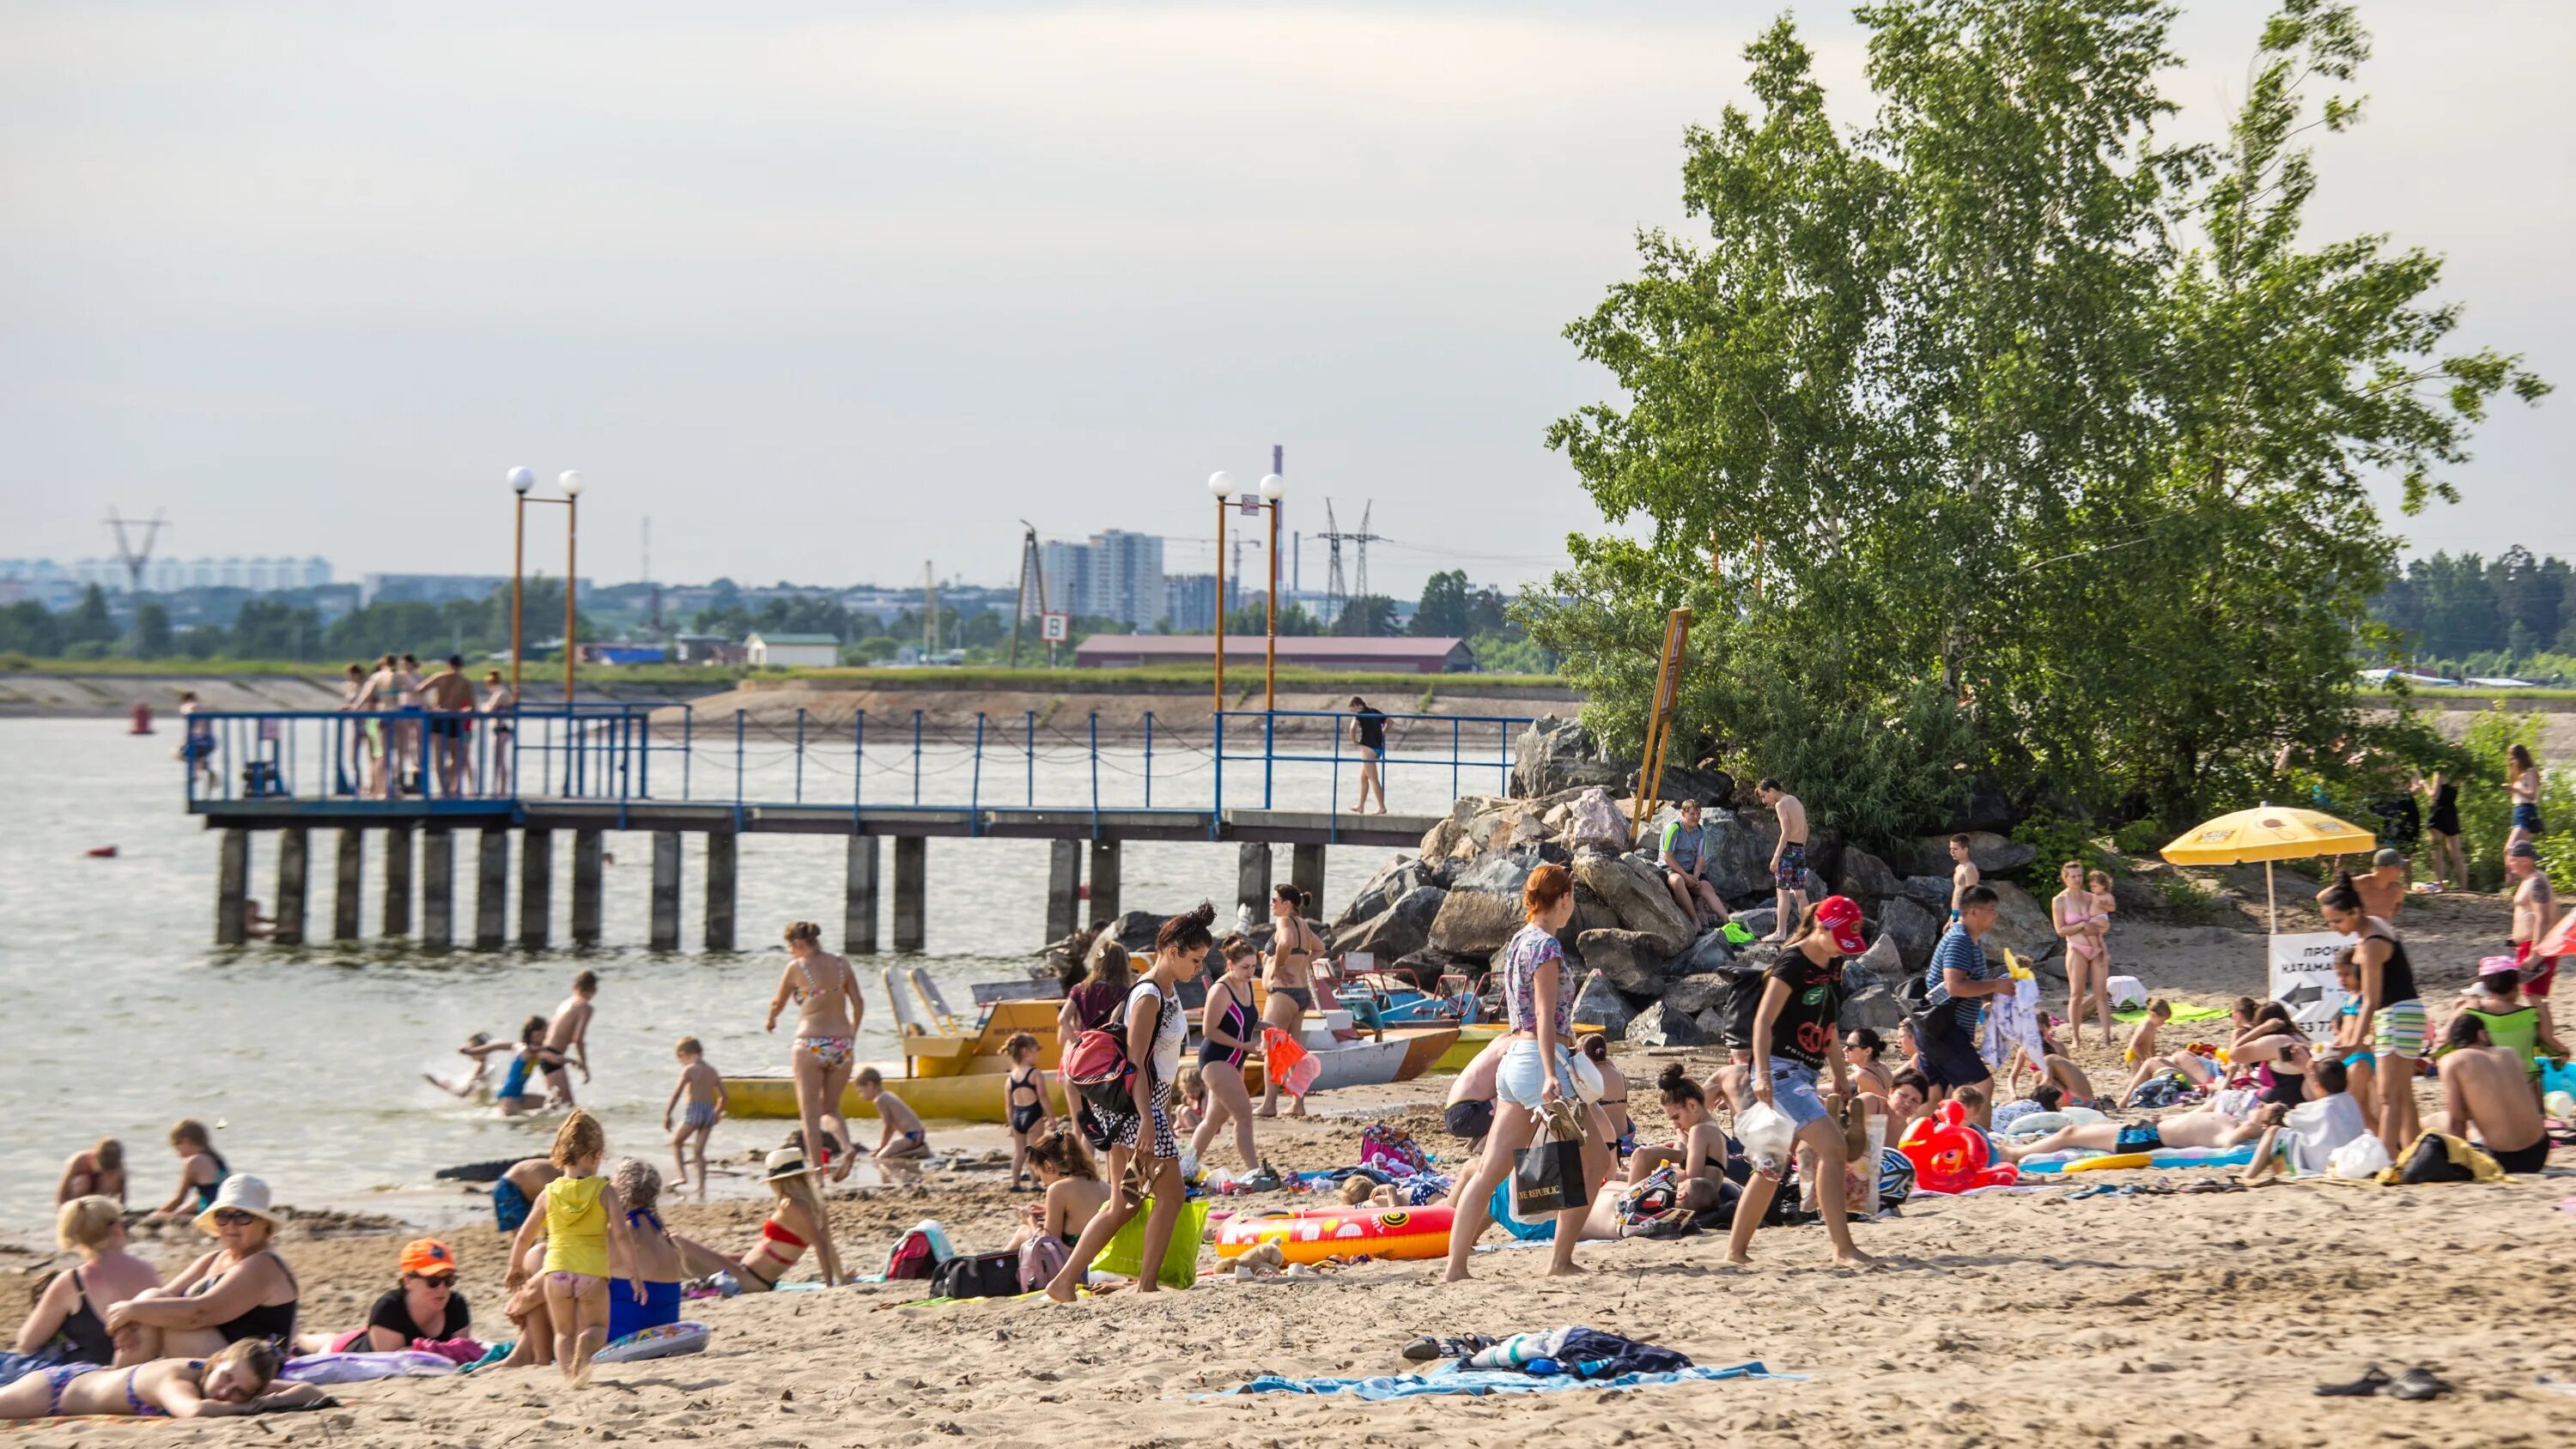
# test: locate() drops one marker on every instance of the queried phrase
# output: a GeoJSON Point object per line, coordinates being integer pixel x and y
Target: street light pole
{"type": "Point", "coordinates": [571, 482]}
{"type": "Point", "coordinates": [1220, 483]}
{"type": "Point", "coordinates": [1272, 488]}
{"type": "Point", "coordinates": [521, 480]}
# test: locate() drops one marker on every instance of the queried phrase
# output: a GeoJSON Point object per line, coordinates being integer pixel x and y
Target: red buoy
{"type": "Point", "coordinates": [102, 852]}
{"type": "Point", "coordinates": [142, 719]}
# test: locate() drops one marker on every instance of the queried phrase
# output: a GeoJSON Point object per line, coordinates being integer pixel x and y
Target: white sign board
{"type": "Point", "coordinates": [1249, 505]}
{"type": "Point", "coordinates": [1055, 628]}
{"type": "Point", "coordinates": [2303, 979]}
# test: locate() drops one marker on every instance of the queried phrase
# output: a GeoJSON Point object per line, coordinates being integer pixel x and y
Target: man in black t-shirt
{"type": "Point", "coordinates": [1368, 731]}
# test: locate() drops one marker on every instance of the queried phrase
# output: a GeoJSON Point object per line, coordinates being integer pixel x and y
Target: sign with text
{"type": "Point", "coordinates": [1055, 628]}
{"type": "Point", "coordinates": [2303, 979]}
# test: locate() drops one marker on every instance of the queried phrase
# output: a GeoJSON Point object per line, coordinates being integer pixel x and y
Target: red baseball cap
{"type": "Point", "coordinates": [1840, 915]}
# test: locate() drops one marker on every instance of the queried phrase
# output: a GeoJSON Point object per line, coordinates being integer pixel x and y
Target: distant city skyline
{"type": "Point", "coordinates": [828, 292]}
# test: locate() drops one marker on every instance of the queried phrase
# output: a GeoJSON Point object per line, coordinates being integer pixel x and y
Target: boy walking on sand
{"type": "Point", "coordinates": [568, 1039]}
{"type": "Point", "coordinates": [704, 1088]}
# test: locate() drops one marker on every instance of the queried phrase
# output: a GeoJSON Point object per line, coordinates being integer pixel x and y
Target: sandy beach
{"type": "Point", "coordinates": [2008, 1317]}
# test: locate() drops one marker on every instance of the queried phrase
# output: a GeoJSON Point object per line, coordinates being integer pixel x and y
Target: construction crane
{"type": "Point", "coordinates": [135, 555]}
{"type": "Point", "coordinates": [1033, 600]}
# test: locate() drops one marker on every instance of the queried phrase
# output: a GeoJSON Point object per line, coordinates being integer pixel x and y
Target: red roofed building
{"type": "Point", "coordinates": [1361, 656]}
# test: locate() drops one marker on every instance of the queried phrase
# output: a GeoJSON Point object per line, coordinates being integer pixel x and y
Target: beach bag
{"type": "Point", "coordinates": [1285, 1062]}
{"type": "Point", "coordinates": [2362, 1158]}
{"type": "Point", "coordinates": [2438, 1157]}
{"type": "Point", "coordinates": [917, 1254]}
{"type": "Point", "coordinates": [1098, 1070]}
{"type": "Point", "coordinates": [978, 1275]}
{"type": "Point", "coordinates": [1041, 1258]}
{"type": "Point", "coordinates": [1125, 1253]}
{"type": "Point", "coordinates": [1548, 1176]}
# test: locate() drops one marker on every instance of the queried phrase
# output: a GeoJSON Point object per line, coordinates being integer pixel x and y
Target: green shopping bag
{"type": "Point", "coordinates": [1125, 1255]}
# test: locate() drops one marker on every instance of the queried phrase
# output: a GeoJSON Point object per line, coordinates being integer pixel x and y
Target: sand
{"type": "Point", "coordinates": [2020, 1318]}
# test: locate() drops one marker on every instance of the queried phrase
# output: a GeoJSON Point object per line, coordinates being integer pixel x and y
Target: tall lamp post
{"type": "Point", "coordinates": [1221, 483]}
{"type": "Point", "coordinates": [521, 481]}
{"type": "Point", "coordinates": [1273, 489]}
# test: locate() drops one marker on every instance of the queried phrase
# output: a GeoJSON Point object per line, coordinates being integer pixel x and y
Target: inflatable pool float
{"type": "Point", "coordinates": [670, 1340]}
{"type": "Point", "coordinates": [1949, 1156]}
{"type": "Point", "coordinates": [1320, 1233]}
{"type": "Point", "coordinates": [2110, 1162]}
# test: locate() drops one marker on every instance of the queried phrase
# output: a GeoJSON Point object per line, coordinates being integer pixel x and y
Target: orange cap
{"type": "Point", "coordinates": [428, 1255]}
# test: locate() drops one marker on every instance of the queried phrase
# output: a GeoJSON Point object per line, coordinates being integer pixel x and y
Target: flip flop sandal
{"type": "Point", "coordinates": [2372, 1380]}
{"type": "Point", "coordinates": [2416, 1383]}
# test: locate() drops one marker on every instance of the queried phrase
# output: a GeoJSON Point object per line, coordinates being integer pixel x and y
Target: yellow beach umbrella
{"type": "Point", "coordinates": [2268, 833]}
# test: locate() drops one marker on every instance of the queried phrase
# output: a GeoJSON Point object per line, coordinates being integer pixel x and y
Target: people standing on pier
{"type": "Point", "coordinates": [382, 693]}
{"type": "Point", "coordinates": [1368, 733]}
{"type": "Point", "coordinates": [828, 1013]}
{"type": "Point", "coordinates": [1144, 1141]}
{"type": "Point", "coordinates": [567, 1042]}
{"type": "Point", "coordinates": [1290, 981]}
{"type": "Point", "coordinates": [197, 740]}
{"type": "Point", "coordinates": [449, 697]}
{"type": "Point", "coordinates": [1788, 857]}
{"type": "Point", "coordinates": [1229, 1031]}
{"type": "Point", "coordinates": [358, 772]}
{"type": "Point", "coordinates": [501, 705]}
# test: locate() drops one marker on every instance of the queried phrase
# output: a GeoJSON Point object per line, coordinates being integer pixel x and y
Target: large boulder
{"type": "Point", "coordinates": [1634, 961]}
{"type": "Point", "coordinates": [1474, 923]}
{"type": "Point", "coordinates": [1594, 821]}
{"type": "Point", "coordinates": [1398, 931]}
{"type": "Point", "coordinates": [1990, 853]}
{"type": "Point", "coordinates": [1497, 873]}
{"type": "Point", "coordinates": [1600, 1004]}
{"type": "Point", "coordinates": [1694, 994]}
{"type": "Point", "coordinates": [1709, 953]}
{"type": "Point", "coordinates": [1501, 824]}
{"type": "Point", "coordinates": [1656, 1027]}
{"type": "Point", "coordinates": [1881, 962]}
{"type": "Point", "coordinates": [1913, 928]}
{"type": "Point", "coordinates": [1865, 877]}
{"type": "Point", "coordinates": [1635, 892]}
{"type": "Point", "coordinates": [1759, 920]}
{"type": "Point", "coordinates": [2021, 924]}
{"type": "Point", "coordinates": [1400, 878]}
{"type": "Point", "coordinates": [1736, 854]}
{"type": "Point", "coordinates": [1875, 1007]}
{"type": "Point", "coordinates": [1712, 788]}
{"type": "Point", "coordinates": [1558, 754]}
{"type": "Point", "coordinates": [1930, 890]}
{"type": "Point", "coordinates": [1136, 930]}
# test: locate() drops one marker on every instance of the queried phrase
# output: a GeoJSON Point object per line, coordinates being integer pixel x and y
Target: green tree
{"type": "Point", "coordinates": [1370, 616]}
{"type": "Point", "coordinates": [89, 621]}
{"type": "Point", "coordinates": [270, 629]}
{"type": "Point", "coordinates": [1966, 465]}
{"type": "Point", "coordinates": [27, 627]}
{"type": "Point", "coordinates": [151, 630]}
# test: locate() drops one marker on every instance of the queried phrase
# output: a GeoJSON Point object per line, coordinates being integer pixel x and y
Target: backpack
{"type": "Point", "coordinates": [918, 1253]}
{"type": "Point", "coordinates": [978, 1275]}
{"type": "Point", "coordinates": [1097, 1068]}
{"type": "Point", "coordinates": [1041, 1258]}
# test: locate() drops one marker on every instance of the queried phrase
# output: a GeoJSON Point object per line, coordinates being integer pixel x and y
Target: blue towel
{"type": "Point", "coordinates": [1479, 1382]}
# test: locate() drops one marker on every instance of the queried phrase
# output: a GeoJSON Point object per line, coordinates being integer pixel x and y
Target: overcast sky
{"type": "Point", "coordinates": [830, 291]}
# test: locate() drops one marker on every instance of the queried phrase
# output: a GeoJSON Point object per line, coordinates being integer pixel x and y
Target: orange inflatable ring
{"type": "Point", "coordinates": [2116, 1162]}
{"type": "Point", "coordinates": [1320, 1233]}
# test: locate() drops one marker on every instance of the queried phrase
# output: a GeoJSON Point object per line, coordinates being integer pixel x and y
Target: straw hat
{"type": "Point", "coordinates": [239, 1193]}
{"type": "Point", "coordinates": [786, 1162]}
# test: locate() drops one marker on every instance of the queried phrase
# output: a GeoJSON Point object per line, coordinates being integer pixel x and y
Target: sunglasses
{"type": "Point", "coordinates": [436, 1280]}
{"type": "Point", "coordinates": [235, 1218]}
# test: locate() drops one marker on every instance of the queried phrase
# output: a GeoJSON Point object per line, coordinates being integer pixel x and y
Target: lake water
{"type": "Point", "coordinates": [122, 1017]}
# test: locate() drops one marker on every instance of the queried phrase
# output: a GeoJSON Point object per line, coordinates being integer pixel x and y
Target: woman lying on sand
{"type": "Point", "coordinates": [796, 1220]}
{"type": "Point", "coordinates": [228, 1381]}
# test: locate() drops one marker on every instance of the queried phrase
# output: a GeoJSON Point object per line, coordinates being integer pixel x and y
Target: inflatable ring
{"type": "Point", "coordinates": [2114, 1162]}
{"type": "Point", "coordinates": [1320, 1233]}
{"type": "Point", "coordinates": [670, 1340]}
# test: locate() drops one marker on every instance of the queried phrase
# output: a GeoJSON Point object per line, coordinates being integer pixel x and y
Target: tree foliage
{"type": "Point", "coordinates": [2003, 437]}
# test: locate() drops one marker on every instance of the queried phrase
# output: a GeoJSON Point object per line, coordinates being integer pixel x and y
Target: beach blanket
{"type": "Point", "coordinates": [2180, 1014]}
{"type": "Point", "coordinates": [1479, 1382]}
{"type": "Point", "coordinates": [2014, 1022]}
{"type": "Point", "coordinates": [358, 1368]}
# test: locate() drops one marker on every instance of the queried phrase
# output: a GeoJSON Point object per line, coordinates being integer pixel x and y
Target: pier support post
{"type": "Point", "coordinates": [232, 889]}
{"type": "Point", "coordinates": [666, 890]}
{"type": "Point", "coordinates": [294, 865]}
{"type": "Point", "coordinates": [585, 887]}
{"type": "Point", "coordinates": [910, 860]}
{"type": "Point", "coordinates": [346, 885]}
{"type": "Point", "coordinates": [1252, 878]}
{"type": "Point", "coordinates": [492, 890]}
{"type": "Point", "coordinates": [1306, 873]}
{"type": "Point", "coordinates": [1064, 888]}
{"type": "Point", "coordinates": [536, 887]}
{"type": "Point", "coordinates": [437, 886]}
{"type": "Point", "coordinates": [859, 904]}
{"type": "Point", "coordinates": [398, 881]}
{"type": "Point", "coordinates": [722, 846]}
{"type": "Point", "coordinates": [1104, 880]}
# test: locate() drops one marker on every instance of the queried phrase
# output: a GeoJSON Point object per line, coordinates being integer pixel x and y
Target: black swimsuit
{"type": "Point", "coordinates": [84, 1335]}
{"type": "Point", "coordinates": [1025, 1115]}
{"type": "Point", "coordinates": [274, 1321]}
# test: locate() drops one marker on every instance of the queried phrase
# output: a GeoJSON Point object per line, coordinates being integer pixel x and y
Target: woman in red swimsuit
{"type": "Point", "coordinates": [795, 1222]}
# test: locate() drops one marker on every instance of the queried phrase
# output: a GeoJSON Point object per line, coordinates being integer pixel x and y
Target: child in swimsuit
{"type": "Point", "coordinates": [1024, 1096]}
{"type": "Point", "coordinates": [904, 1139]}
{"type": "Point", "coordinates": [229, 1381]}
{"type": "Point", "coordinates": [705, 1089]}
{"type": "Point", "coordinates": [581, 1218]}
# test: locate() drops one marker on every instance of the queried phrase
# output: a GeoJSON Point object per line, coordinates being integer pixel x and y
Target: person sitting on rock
{"type": "Point", "coordinates": [1686, 869]}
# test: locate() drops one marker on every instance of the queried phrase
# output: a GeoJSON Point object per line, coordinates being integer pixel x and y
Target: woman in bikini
{"type": "Point", "coordinates": [1074, 1192]}
{"type": "Point", "coordinates": [241, 1290]}
{"type": "Point", "coordinates": [795, 1222]}
{"type": "Point", "coordinates": [1290, 980]}
{"type": "Point", "coordinates": [1613, 1100]}
{"type": "Point", "coordinates": [232, 1380]}
{"type": "Point", "coordinates": [1229, 1031]}
{"type": "Point", "coordinates": [820, 984]}
{"type": "Point", "coordinates": [71, 1310]}
{"type": "Point", "coordinates": [2081, 923]}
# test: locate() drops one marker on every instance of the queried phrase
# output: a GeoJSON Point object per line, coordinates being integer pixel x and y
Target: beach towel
{"type": "Point", "coordinates": [1478, 1382]}
{"type": "Point", "coordinates": [2014, 1022]}
{"type": "Point", "coordinates": [2180, 1014]}
{"type": "Point", "coordinates": [358, 1368]}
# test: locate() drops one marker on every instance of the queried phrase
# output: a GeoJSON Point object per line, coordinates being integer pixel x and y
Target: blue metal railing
{"type": "Point", "coordinates": [410, 759]}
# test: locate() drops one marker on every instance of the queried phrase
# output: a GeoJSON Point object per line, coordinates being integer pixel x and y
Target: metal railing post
{"type": "Point", "coordinates": [1453, 759]}
{"type": "Point", "coordinates": [916, 757]}
{"type": "Point", "coordinates": [737, 769]}
{"type": "Point", "coordinates": [1095, 774]}
{"type": "Point", "coordinates": [688, 746]}
{"type": "Point", "coordinates": [858, 765]}
{"type": "Point", "coordinates": [800, 754]}
{"type": "Point", "coordinates": [1149, 759]}
{"type": "Point", "coordinates": [1033, 759]}
{"type": "Point", "coordinates": [1269, 752]}
{"type": "Point", "coordinates": [1216, 809]}
{"type": "Point", "coordinates": [975, 780]}
{"type": "Point", "coordinates": [1337, 773]}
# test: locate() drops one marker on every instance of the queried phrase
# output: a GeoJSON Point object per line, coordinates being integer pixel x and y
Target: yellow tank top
{"type": "Point", "coordinates": [576, 1227]}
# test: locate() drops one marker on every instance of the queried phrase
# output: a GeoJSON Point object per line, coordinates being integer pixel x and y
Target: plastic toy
{"type": "Point", "coordinates": [1317, 1234]}
{"type": "Point", "coordinates": [1949, 1156]}
{"type": "Point", "coordinates": [668, 1341]}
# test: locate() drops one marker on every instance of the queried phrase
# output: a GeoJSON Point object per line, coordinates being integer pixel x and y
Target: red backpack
{"type": "Point", "coordinates": [1098, 1070]}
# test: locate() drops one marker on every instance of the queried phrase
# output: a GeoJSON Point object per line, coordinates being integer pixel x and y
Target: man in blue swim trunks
{"type": "Point", "coordinates": [2182, 1129]}
{"type": "Point", "coordinates": [516, 1190]}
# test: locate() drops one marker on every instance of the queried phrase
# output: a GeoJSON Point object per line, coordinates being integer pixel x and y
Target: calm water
{"type": "Point", "coordinates": [122, 1017]}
